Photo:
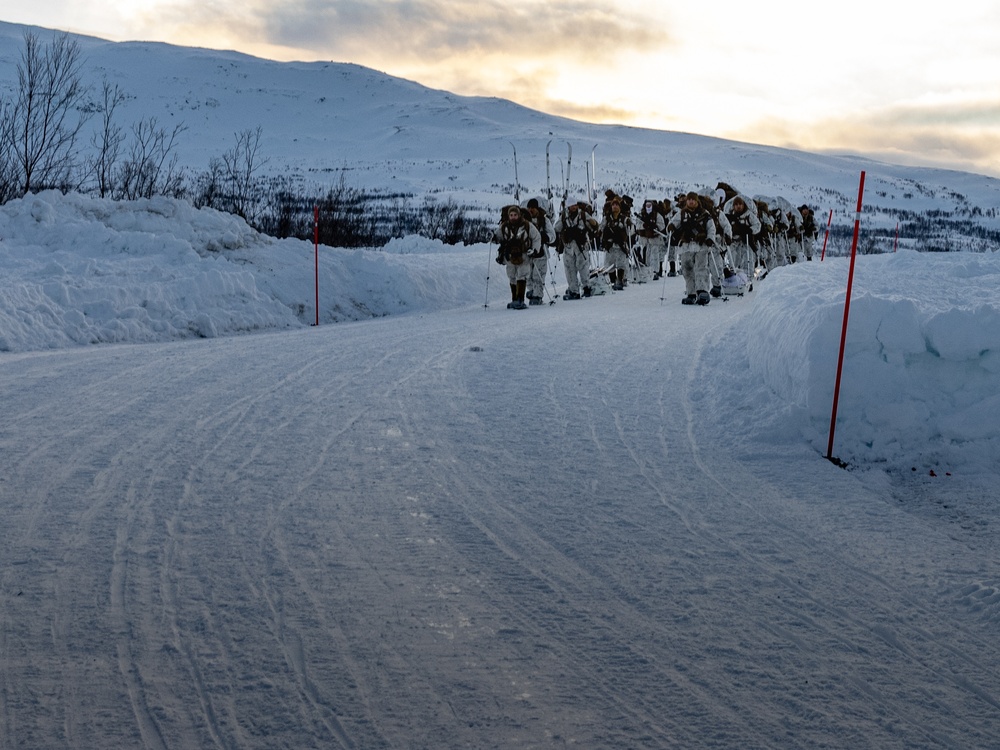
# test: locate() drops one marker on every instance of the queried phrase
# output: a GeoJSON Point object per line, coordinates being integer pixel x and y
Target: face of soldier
{"type": "Point", "coordinates": [513, 215]}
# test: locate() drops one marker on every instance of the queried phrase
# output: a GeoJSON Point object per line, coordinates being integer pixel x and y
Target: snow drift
{"type": "Point", "coordinates": [922, 354]}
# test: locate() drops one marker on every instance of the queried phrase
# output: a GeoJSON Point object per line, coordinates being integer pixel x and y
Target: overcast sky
{"type": "Point", "coordinates": [912, 83]}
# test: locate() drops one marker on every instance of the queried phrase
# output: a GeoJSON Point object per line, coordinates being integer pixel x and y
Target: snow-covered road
{"type": "Point", "coordinates": [470, 529]}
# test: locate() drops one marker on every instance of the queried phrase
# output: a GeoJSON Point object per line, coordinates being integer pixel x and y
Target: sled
{"type": "Point", "coordinates": [735, 283]}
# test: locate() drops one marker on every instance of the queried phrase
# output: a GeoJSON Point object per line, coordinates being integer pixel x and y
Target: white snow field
{"type": "Point", "coordinates": [604, 523]}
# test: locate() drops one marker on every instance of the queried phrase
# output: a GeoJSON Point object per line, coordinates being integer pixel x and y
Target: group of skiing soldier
{"type": "Point", "coordinates": [714, 240]}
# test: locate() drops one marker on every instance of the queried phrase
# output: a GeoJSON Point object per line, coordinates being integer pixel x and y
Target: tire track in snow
{"type": "Point", "coordinates": [223, 429]}
{"type": "Point", "coordinates": [769, 566]}
{"type": "Point", "coordinates": [232, 420]}
{"type": "Point", "coordinates": [600, 652]}
{"type": "Point", "coordinates": [462, 581]}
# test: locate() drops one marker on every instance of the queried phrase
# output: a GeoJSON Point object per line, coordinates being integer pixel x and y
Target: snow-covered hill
{"type": "Point", "coordinates": [323, 119]}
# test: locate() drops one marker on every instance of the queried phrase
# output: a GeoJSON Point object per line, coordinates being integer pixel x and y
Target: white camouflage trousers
{"type": "Point", "coordinates": [694, 267]}
{"type": "Point", "coordinates": [576, 264]}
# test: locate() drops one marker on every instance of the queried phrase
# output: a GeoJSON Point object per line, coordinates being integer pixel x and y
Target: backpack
{"type": "Point", "coordinates": [809, 228]}
{"type": "Point", "coordinates": [692, 227]}
{"type": "Point", "coordinates": [648, 229]}
{"type": "Point", "coordinates": [728, 189]}
{"type": "Point", "coordinates": [615, 232]}
{"type": "Point", "coordinates": [708, 204]}
{"type": "Point", "coordinates": [576, 229]}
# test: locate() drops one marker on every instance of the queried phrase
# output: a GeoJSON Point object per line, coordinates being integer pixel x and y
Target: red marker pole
{"type": "Point", "coordinates": [316, 241]}
{"type": "Point", "coordinates": [829, 221]}
{"type": "Point", "coordinates": [847, 312]}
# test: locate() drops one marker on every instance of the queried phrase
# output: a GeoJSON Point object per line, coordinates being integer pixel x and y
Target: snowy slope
{"type": "Point", "coordinates": [320, 119]}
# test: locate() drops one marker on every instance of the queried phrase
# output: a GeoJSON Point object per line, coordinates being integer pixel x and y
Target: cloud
{"type": "Point", "coordinates": [599, 113]}
{"type": "Point", "coordinates": [380, 32]}
{"type": "Point", "coordinates": [964, 135]}
{"type": "Point", "coordinates": [609, 62]}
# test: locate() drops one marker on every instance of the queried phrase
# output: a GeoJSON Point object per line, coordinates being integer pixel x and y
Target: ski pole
{"type": "Point", "coordinates": [545, 288]}
{"type": "Point", "coordinates": [633, 255]}
{"type": "Point", "coordinates": [826, 236]}
{"type": "Point", "coordinates": [489, 260]}
{"type": "Point", "coordinates": [663, 290]}
{"type": "Point", "coordinates": [552, 275]}
{"type": "Point", "coordinates": [715, 262]}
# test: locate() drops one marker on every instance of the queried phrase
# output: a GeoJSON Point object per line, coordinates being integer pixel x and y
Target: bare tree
{"type": "Point", "coordinates": [107, 142]}
{"type": "Point", "coordinates": [45, 118]}
{"type": "Point", "coordinates": [209, 191]}
{"type": "Point", "coordinates": [150, 167]}
{"type": "Point", "coordinates": [8, 178]}
{"type": "Point", "coordinates": [242, 165]}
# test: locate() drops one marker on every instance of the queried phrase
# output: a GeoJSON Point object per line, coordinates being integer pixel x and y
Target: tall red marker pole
{"type": "Point", "coordinates": [829, 221]}
{"type": "Point", "coordinates": [316, 241]}
{"type": "Point", "coordinates": [847, 312]}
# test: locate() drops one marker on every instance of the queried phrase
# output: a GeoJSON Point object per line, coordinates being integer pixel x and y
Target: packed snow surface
{"type": "Point", "coordinates": [434, 522]}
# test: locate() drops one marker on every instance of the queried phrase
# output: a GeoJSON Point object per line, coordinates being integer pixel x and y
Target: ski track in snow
{"type": "Point", "coordinates": [383, 535]}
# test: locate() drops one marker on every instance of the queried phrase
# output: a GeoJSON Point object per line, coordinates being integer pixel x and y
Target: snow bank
{"type": "Point", "coordinates": [921, 375]}
{"type": "Point", "coordinates": [76, 269]}
{"type": "Point", "coordinates": [79, 270]}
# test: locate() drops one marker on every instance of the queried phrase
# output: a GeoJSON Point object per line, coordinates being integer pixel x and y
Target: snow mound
{"type": "Point", "coordinates": [76, 269]}
{"type": "Point", "coordinates": [921, 361]}
{"type": "Point", "coordinates": [80, 270]}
